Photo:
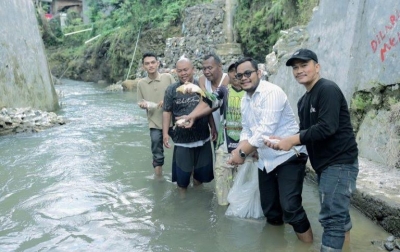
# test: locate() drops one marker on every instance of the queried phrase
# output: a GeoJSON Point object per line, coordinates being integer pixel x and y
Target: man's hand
{"type": "Point", "coordinates": [166, 141]}
{"type": "Point", "coordinates": [235, 158]}
{"type": "Point", "coordinates": [214, 134]}
{"type": "Point", "coordinates": [188, 123]}
{"type": "Point", "coordinates": [142, 104]}
{"type": "Point", "coordinates": [254, 155]}
{"type": "Point", "coordinates": [278, 143]}
{"type": "Point", "coordinates": [160, 104]}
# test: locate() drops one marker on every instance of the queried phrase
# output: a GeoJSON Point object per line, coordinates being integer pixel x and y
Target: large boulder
{"type": "Point", "coordinates": [130, 85]}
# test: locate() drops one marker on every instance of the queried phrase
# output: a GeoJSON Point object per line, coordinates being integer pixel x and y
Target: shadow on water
{"type": "Point", "coordinates": [89, 186]}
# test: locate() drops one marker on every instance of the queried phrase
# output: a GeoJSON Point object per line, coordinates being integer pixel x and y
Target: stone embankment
{"type": "Point", "coordinates": [17, 120]}
{"type": "Point", "coordinates": [374, 102]}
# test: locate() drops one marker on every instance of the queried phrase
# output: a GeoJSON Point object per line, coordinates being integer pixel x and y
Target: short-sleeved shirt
{"type": "Point", "coordinates": [153, 91]}
{"type": "Point", "coordinates": [180, 104]}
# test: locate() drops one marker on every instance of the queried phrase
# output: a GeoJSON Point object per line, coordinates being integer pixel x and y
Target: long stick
{"type": "Point", "coordinates": [134, 52]}
{"type": "Point", "coordinates": [68, 67]}
{"type": "Point", "coordinates": [87, 41]}
{"type": "Point", "coordinates": [67, 34]}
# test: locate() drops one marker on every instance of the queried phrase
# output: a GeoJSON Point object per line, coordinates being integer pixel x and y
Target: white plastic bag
{"type": "Point", "coordinates": [244, 196]}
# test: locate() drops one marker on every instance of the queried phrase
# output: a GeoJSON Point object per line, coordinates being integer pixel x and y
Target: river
{"type": "Point", "coordinates": [88, 186]}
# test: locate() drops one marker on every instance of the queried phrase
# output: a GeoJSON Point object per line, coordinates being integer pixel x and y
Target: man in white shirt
{"type": "Point", "coordinates": [266, 112]}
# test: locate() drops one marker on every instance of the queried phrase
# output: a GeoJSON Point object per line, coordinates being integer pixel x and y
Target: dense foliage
{"type": "Point", "coordinates": [115, 24]}
{"type": "Point", "coordinates": [139, 13]}
{"type": "Point", "coordinates": [266, 19]}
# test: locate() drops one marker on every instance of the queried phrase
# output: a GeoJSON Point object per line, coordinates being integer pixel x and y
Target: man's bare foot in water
{"type": "Point", "coordinates": [196, 182]}
{"type": "Point", "coordinates": [158, 171]}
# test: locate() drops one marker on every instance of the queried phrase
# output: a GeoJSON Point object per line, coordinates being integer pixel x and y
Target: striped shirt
{"type": "Point", "coordinates": [268, 113]}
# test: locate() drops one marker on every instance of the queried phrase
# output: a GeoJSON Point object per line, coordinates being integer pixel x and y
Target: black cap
{"type": "Point", "coordinates": [302, 54]}
{"type": "Point", "coordinates": [231, 65]}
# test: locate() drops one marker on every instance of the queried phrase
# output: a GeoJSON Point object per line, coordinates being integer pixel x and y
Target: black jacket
{"type": "Point", "coordinates": [325, 126]}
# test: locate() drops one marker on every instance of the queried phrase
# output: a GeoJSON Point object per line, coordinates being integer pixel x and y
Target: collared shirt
{"type": "Point", "coordinates": [268, 113]}
{"type": "Point", "coordinates": [153, 91]}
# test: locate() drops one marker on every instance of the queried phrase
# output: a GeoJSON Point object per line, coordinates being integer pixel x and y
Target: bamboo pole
{"type": "Point", "coordinates": [87, 41]}
{"type": "Point", "coordinates": [70, 33]}
{"type": "Point", "coordinates": [134, 52]}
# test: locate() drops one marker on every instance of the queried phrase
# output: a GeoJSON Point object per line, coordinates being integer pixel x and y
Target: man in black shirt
{"type": "Point", "coordinates": [192, 147]}
{"type": "Point", "coordinates": [326, 130]}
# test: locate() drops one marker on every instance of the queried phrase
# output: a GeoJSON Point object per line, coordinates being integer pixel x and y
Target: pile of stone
{"type": "Point", "coordinates": [17, 120]}
{"type": "Point", "coordinates": [290, 40]}
{"type": "Point", "coordinates": [202, 30]}
{"type": "Point", "coordinates": [115, 87]}
{"type": "Point", "coordinates": [391, 244]}
{"type": "Point", "coordinates": [202, 33]}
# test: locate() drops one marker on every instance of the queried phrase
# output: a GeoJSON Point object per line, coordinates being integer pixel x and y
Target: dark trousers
{"type": "Point", "coordinates": [157, 147]}
{"type": "Point", "coordinates": [280, 193]}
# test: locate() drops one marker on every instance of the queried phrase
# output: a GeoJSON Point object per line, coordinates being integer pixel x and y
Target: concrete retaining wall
{"type": "Point", "coordinates": [25, 80]}
{"type": "Point", "coordinates": [358, 46]}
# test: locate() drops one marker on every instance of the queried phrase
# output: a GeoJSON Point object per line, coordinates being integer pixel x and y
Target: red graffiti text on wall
{"type": "Point", "coordinates": [385, 39]}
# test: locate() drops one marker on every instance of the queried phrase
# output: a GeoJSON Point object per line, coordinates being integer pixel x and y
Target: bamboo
{"type": "Point", "coordinates": [70, 33]}
{"type": "Point", "coordinates": [134, 52]}
{"type": "Point", "coordinates": [87, 41]}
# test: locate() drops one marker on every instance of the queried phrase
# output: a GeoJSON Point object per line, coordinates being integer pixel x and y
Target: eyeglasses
{"type": "Point", "coordinates": [246, 74]}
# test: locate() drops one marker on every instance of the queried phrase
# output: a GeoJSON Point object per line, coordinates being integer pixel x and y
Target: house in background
{"type": "Point", "coordinates": [55, 7]}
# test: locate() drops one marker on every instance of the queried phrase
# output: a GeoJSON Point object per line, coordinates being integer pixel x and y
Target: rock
{"type": "Point", "coordinates": [130, 85]}
{"type": "Point", "coordinates": [397, 243]}
{"type": "Point", "coordinates": [202, 31]}
{"type": "Point", "coordinates": [17, 120]}
{"type": "Point", "coordinates": [389, 246]}
{"type": "Point", "coordinates": [114, 87]}
{"type": "Point", "coordinates": [390, 238]}
{"type": "Point", "coordinates": [271, 63]}
{"type": "Point", "coordinates": [377, 243]}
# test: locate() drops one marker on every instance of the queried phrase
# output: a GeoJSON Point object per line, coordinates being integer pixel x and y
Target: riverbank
{"type": "Point", "coordinates": [377, 195]}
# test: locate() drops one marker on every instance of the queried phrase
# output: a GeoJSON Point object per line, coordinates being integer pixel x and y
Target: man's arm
{"type": "Point", "coordinates": [139, 93]}
{"type": "Point", "coordinates": [329, 106]}
{"type": "Point", "coordinates": [226, 80]}
{"type": "Point", "coordinates": [140, 97]}
{"type": "Point", "coordinates": [202, 83]}
{"type": "Point", "coordinates": [244, 144]}
{"type": "Point", "coordinates": [244, 147]}
{"type": "Point", "coordinates": [269, 114]}
{"type": "Point", "coordinates": [165, 128]}
{"type": "Point", "coordinates": [202, 109]}
{"type": "Point", "coordinates": [213, 127]}
{"type": "Point", "coordinates": [284, 144]}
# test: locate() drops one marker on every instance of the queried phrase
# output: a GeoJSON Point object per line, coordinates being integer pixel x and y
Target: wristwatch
{"type": "Point", "coordinates": [242, 154]}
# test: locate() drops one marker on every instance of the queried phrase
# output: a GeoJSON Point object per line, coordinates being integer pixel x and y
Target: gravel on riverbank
{"type": "Point", "coordinates": [17, 120]}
